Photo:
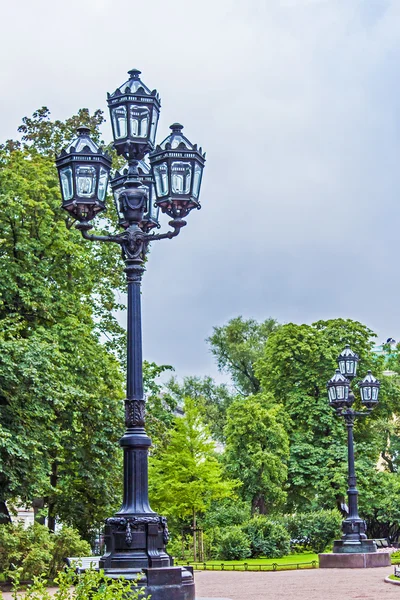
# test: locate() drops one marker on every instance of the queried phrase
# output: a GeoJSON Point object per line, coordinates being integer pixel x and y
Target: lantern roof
{"type": "Point", "coordinates": [348, 353]}
{"type": "Point", "coordinates": [338, 378]}
{"type": "Point", "coordinates": [82, 142]}
{"type": "Point", "coordinates": [134, 85]}
{"type": "Point", "coordinates": [176, 140]}
{"type": "Point", "coordinates": [369, 378]}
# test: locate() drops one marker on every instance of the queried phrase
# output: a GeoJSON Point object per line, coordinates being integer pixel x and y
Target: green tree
{"type": "Point", "coordinates": [236, 347]}
{"type": "Point", "coordinates": [296, 363]}
{"type": "Point", "coordinates": [211, 399]}
{"type": "Point", "coordinates": [257, 451]}
{"type": "Point", "coordinates": [187, 476]}
{"type": "Point", "coordinates": [60, 386]}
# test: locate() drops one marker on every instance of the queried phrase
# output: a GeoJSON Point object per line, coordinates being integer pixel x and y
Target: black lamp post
{"type": "Point", "coordinates": [341, 398]}
{"type": "Point", "coordinates": [135, 536]}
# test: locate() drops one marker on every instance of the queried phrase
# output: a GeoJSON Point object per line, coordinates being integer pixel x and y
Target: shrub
{"type": "Point", "coordinates": [91, 584]}
{"type": "Point", "coordinates": [233, 544]}
{"type": "Point", "coordinates": [36, 551]}
{"type": "Point", "coordinates": [314, 531]}
{"type": "Point", "coordinates": [66, 542]}
{"type": "Point", "coordinates": [267, 537]}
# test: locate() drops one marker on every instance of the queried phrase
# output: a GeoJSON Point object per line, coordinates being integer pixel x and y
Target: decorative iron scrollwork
{"type": "Point", "coordinates": [134, 413]}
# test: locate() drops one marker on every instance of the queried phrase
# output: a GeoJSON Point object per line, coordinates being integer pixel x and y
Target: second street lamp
{"type": "Point", "coordinates": [135, 536]}
{"type": "Point", "coordinates": [341, 398]}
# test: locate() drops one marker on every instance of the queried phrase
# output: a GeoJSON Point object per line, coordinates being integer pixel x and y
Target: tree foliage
{"type": "Point", "coordinates": [187, 476]}
{"type": "Point", "coordinates": [236, 347]}
{"type": "Point", "coordinates": [60, 384]}
{"type": "Point", "coordinates": [257, 451]}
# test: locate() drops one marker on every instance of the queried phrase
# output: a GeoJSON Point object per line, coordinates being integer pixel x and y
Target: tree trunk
{"type": "Point", "coordinates": [258, 505]}
{"type": "Point", "coordinates": [194, 537]}
{"type": "Point", "coordinates": [4, 514]}
{"type": "Point", "coordinates": [51, 519]}
{"type": "Point", "coordinates": [37, 505]}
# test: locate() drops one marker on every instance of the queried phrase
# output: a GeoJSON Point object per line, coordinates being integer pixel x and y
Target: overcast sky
{"type": "Point", "coordinates": [296, 103]}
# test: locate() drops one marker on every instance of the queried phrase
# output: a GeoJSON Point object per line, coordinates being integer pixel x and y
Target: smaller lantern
{"type": "Point", "coordinates": [347, 362]}
{"type": "Point", "coordinates": [338, 390]}
{"type": "Point", "coordinates": [369, 388]}
{"type": "Point", "coordinates": [83, 170]}
{"type": "Point", "coordinates": [137, 175]}
{"type": "Point", "coordinates": [177, 167]}
{"type": "Point", "coordinates": [134, 111]}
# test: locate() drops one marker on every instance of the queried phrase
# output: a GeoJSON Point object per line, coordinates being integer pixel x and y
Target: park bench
{"type": "Point", "coordinates": [83, 563]}
{"type": "Point", "coordinates": [382, 543]}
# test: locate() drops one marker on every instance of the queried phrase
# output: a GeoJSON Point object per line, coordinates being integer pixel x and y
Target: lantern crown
{"type": "Point", "coordinates": [83, 170]}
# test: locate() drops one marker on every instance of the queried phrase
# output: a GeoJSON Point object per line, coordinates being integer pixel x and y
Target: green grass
{"type": "Point", "coordinates": [290, 562]}
{"type": "Point", "coordinates": [394, 578]}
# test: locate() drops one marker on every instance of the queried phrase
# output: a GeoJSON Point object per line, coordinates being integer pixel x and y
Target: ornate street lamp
{"type": "Point", "coordinates": [135, 536]}
{"type": "Point", "coordinates": [341, 398]}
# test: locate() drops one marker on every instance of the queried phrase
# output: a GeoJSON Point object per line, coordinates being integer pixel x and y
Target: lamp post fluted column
{"type": "Point", "coordinates": [135, 536]}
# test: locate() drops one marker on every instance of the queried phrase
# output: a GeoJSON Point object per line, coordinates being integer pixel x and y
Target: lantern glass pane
{"type": "Point", "coordinates": [197, 180]}
{"type": "Point", "coordinates": [161, 178]}
{"type": "Point", "coordinates": [340, 392]}
{"type": "Point", "coordinates": [367, 393]}
{"type": "Point", "coordinates": [350, 367]}
{"type": "Point", "coordinates": [154, 209]}
{"type": "Point", "coordinates": [181, 177]}
{"type": "Point", "coordinates": [342, 366]}
{"type": "Point", "coordinates": [85, 181]}
{"type": "Point", "coordinates": [103, 180]}
{"type": "Point", "coordinates": [66, 183]}
{"type": "Point", "coordinates": [374, 393]}
{"type": "Point", "coordinates": [153, 127]}
{"type": "Point", "coordinates": [332, 394]}
{"type": "Point", "coordinates": [139, 120]}
{"type": "Point", "coordinates": [119, 121]}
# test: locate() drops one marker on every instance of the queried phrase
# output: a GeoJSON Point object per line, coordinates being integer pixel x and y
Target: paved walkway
{"type": "Point", "coordinates": [313, 584]}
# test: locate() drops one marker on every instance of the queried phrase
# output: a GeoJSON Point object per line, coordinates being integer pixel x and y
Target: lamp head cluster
{"type": "Point", "coordinates": [165, 176]}
{"type": "Point", "coordinates": [339, 392]}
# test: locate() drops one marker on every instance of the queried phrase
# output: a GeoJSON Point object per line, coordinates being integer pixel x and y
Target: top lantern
{"type": "Point", "coordinates": [83, 170]}
{"type": "Point", "coordinates": [347, 362]}
{"type": "Point", "coordinates": [177, 166]}
{"type": "Point", "coordinates": [134, 111]}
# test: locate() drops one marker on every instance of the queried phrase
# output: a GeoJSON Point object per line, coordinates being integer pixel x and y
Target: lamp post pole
{"type": "Point", "coordinates": [135, 536]}
{"type": "Point", "coordinates": [341, 398]}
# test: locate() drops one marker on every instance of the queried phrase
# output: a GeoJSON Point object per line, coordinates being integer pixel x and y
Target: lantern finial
{"type": "Point", "coordinates": [176, 127]}
{"type": "Point", "coordinates": [134, 73]}
{"type": "Point", "coordinates": [83, 130]}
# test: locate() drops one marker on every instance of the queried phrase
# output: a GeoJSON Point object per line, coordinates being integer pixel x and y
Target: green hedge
{"type": "Point", "coordinates": [36, 551]}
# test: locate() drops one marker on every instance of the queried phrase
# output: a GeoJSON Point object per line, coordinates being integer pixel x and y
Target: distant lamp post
{"type": "Point", "coordinates": [135, 536]}
{"type": "Point", "coordinates": [341, 398]}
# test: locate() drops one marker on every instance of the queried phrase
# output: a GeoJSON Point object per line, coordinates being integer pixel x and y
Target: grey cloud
{"type": "Point", "coordinates": [296, 103]}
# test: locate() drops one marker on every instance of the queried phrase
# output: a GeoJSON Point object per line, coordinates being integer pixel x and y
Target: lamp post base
{"type": "Point", "coordinates": [165, 583]}
{"type": "Point", "coordinates": [353, 546]}
{"type": "Point", "coordinates": [353, 560]}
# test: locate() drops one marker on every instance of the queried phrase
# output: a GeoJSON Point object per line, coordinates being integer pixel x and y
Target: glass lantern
{"type": "Point", "coordinates": [369, 389]}
{"type": "Point", "coordinates": [338, 390]}
{"type": "Point", "coordinates": [83, 170]}
{"type": "Point", "coordinates": [134, 112]}
{"type": "Point", "coordinates": [140, 174]}
{"type": "Point", "coordinates": [177, 166]}
{"type": "Point", "coordinates": [347, 362]}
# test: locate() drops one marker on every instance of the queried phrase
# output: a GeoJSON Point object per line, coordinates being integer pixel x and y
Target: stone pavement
{"type": "Point", "coordinates": [310, 584]}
